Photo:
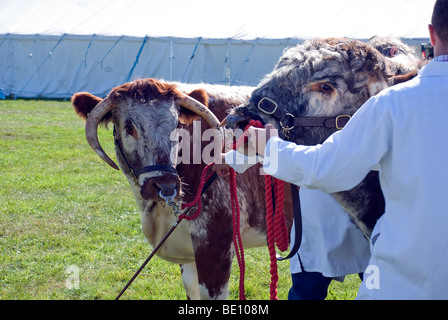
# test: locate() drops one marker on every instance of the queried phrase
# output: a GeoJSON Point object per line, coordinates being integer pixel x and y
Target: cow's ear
{"type": "Point", "coordinates": [84, 102]}
{"type": "Point", "coordinates": [186, 116]}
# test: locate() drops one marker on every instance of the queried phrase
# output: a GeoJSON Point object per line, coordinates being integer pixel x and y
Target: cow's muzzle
{"type": "Point", "coordinates": [167, 185]}
{"type": "Point", "coordinates": [234, 121]}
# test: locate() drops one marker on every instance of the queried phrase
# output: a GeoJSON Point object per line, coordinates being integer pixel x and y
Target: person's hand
{"type": "Point", "coordinates": [253, 140]}
{"type": "Point", "coordinates": [220, 166]}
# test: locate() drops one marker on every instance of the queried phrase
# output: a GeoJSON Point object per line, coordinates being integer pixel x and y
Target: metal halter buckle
{"type": "Point", "coordinates": [339, 127]}
{"type": "Point", "coordinates": [260, 107]}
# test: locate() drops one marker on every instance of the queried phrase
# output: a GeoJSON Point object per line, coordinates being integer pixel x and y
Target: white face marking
{"type": "Point", "coordinates": [144, 176]}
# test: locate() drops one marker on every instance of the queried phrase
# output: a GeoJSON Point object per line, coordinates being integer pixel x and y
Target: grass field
{"type": "Point", "coordinates": [64, 212]}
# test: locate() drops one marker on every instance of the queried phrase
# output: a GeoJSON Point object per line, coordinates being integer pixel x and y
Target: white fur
{"type": "Point", "coordinates": [190, 280]}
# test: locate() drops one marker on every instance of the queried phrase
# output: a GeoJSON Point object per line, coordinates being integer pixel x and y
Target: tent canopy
{"type": "Point", "coordinates": [236, 19]}
{"type": "Point", "coordinates": [53, 48]}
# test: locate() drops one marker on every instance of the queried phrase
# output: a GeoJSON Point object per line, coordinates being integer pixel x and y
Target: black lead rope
{"type": "Point", "coordinates": [297, 223]}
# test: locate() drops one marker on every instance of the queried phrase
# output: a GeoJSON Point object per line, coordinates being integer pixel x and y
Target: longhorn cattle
{"type": "Point", "coordinates": [312, 92]}
{"type": "Point", "coordinates": [145, 113]}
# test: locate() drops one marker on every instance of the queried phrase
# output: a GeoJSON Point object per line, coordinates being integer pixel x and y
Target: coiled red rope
{"type": "Point", "coordinates": [277, 231]}
{"type": "Point", "coordinates": [276, 227]}
{"type": "Point", "coordinates": [239, 250]}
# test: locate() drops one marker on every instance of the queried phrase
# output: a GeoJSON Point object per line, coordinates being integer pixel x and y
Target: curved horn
{"type": "Point", "coordinates": [201, 110]}
{"type": "Point", "coordinates": [92, 122]}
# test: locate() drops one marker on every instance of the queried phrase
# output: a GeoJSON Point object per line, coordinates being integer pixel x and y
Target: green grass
{"type": "Point", "coordinates": [60, 205]}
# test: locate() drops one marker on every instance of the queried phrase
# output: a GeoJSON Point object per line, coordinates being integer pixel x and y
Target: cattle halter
{"type": "Point", "coordinates": [288, 121]}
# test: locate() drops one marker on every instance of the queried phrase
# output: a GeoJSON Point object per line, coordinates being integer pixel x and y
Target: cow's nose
{"type": "Point", "coordinates": [167, 188]}
{"type": "Point", "coordinates": [166, 185]}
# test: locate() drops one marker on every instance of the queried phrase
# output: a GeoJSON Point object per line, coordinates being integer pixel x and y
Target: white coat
{"type": "Point", "coordinates": [402, 133]}
{"type": "Point", "coordinates": [331, 243]}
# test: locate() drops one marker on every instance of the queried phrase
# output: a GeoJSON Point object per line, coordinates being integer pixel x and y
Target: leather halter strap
{"type": "Point", "coordinates": [288, 121]}
{"type": "Point", "coordinates": [338, 122]}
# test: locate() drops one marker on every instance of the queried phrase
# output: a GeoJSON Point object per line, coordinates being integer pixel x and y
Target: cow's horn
{"type": "Point", "coordinates": [92, 122]}
{"type": "Point", "coordinates": [201, 110]}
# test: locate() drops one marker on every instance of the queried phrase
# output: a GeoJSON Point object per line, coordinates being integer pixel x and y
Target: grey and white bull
{"type": "Point", "coordinates": [144, 114]}
{"type": "Point", "coordinates": [312, 92]}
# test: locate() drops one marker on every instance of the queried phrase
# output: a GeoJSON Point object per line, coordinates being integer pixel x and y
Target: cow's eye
{"type": "Point", "coordinates": [323, 87]}
{"type": "Point", "coordinates": [130, 129]}
{"type": "Point", "coordinates": [326, 88]}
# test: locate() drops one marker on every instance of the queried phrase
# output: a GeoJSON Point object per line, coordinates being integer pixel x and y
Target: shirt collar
{"type": "Point", "coordinates": [441, 58]}
{"type": "Point", "coordinates": [434, 68]}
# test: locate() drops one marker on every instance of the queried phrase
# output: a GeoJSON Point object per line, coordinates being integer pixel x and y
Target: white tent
{"type": "Point", "coordinates": [54, 48]}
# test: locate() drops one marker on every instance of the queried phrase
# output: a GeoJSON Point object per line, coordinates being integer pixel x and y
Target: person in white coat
{"type": "Point", "coordinates": [402, 133]}
{"type": "Point", "coordinates": [331, 244]}
{"type": "Point", "coordinates": [332, 247]}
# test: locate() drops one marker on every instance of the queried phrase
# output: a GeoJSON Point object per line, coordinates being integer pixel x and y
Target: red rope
{"type": "Point", "coordinates": [239, 250]}
{"type": "Point", "coordinates": [197, 199]}
{"type": "Point", "coordinates": [281, 231]}
{"type": "Point", "coordinates": [277, 231]}
{"type": "Point", "coordinates": [276, 227]}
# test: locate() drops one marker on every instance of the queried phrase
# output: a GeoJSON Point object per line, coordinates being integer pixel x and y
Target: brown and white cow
{"type": "Point", "coordinates": [144, 114]}
{"type": "Point", "coordinates": [311, 93]}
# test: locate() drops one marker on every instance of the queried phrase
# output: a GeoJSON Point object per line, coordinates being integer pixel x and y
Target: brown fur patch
{"type": "Point", "coordinates": [84, 102]}
{"type": "Point", "coordinates": [405, 77]}
{"type": "Point", "coordinates": [144, 90]}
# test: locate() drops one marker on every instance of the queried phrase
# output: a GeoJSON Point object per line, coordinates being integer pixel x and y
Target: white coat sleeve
{"type": "Point", "coordinates": [338, 164]}
{"type": "Point", "coordinates": [240, 162]}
